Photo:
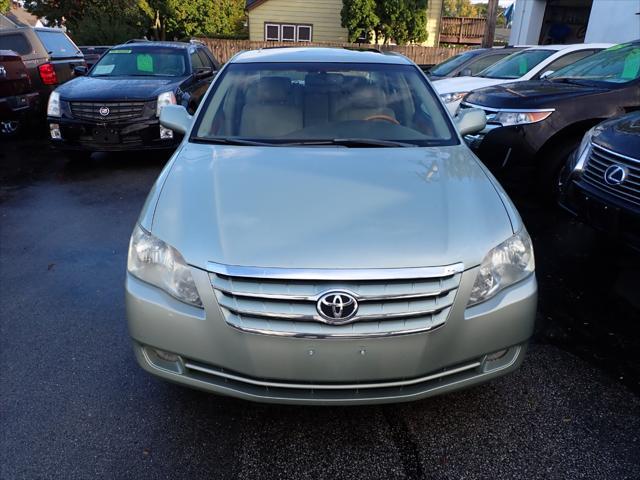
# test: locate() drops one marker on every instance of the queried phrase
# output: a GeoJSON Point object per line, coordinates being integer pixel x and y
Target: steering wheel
{"type": "Point", "coordinates": [386, 118]}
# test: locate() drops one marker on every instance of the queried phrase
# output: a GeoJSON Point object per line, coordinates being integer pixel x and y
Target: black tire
{"type": "Point", "coordinates": [550, 168]}
{"type": "Point", "coordinates": [10, 128]}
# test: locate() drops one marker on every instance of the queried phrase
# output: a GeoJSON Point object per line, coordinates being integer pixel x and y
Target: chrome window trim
{"type": "Point", "coordinates": [509, 110]}
{"type": "Point", "coordinates": [347, 274]}
{"type": "Point", "coordinates": [321, 386]}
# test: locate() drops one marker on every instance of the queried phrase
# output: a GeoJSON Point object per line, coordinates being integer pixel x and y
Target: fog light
{"type": "Point", "coordinates": [55, 131]}
{"type": "Point", "coordinates": [165, 133]}
{"type": "Point", "coordinates": [492, 357]}
{"type": "Point", "coordinates": [166, 356]}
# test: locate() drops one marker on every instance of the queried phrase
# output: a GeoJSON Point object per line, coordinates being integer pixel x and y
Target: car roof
{"type": "Point", "coordinates": [143, 43]}
{"type": "Point", "coordinates": [576, 46]}
{"type": "Point", "coordinates": [320, 55]}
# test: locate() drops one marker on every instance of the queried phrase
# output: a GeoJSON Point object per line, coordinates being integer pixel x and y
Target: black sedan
{"type": "Point", "coordinates": [534, 126]}
{"type": "Point", "coordinates": [116, 105]}
{"type": "Point", "coordinates": [601, 182]}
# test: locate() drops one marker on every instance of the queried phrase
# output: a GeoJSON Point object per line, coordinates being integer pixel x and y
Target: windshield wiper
{"type": "Point", "coordinates": [233, 141]}
{"type": "Point", "coordinates": [352, 142]}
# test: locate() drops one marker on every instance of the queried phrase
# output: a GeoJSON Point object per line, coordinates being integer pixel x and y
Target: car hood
{"type": "Point", "coordinates": [621, 135]}
{"type": "Point", "coordinates": [465, 84]}
{"type": "Point", "coordinates": [115, 88]}
{"type": "Point", "coordinates": [531, 94]}
{"type": "Point", "coordinates": [329, 207]}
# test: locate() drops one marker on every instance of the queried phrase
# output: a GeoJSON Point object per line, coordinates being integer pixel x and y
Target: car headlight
{"type": "Point", "coordinates": [452, 97]}
{"type": "Point", "coordinates": [519, 118]}
{"type": "Point", "coordinates": [581, 155]}
{"type": "Point", "coordinates": [166, 98]}
{"type": "Point", "coordinates": [506, 264]}
{"type": "Point", "coordinates": [53, 107]}
{"type": "Point", "coordinates": [155, 262]}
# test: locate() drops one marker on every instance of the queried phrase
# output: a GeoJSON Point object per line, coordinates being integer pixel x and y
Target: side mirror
{"type": "Point", "coordinates": [176, 118]}
{"type": "Point", "coordinates": [465, 72]}
{"type": "Point", "coordinates": [203, 72]}
{"type": "Point", "coordinates": [470, 120]}
{"type": "Point", "coordinates": [546, 74]}
{"type": "Point", "coordinates": [80, 70]}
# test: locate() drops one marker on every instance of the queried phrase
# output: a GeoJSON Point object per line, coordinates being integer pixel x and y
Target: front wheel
{"type": "Point", "coordinates": [551, 167]}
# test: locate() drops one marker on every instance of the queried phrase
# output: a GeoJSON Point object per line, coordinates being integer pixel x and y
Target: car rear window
{"type": "Point", "coordinates": [57, 44]}
{"type": "Point", "coordinates": [16, 42]}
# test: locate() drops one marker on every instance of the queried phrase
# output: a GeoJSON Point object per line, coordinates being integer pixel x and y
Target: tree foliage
{"type": "Point", "coordinates": [459, 8]}
{"type": "Point", "coordinates": [359, 17]}
{"type": "Point", "coordinates": [5, 5]}
{"type": "Point", "coordinates": [401, 21]}
{"type": "Point", "coordinates": [89, 21]}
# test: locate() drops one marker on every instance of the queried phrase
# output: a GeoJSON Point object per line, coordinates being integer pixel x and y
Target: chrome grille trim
{"type": "Point", "coordinates": [335, 274]}
{"type": "Point", "coordinates": [600, 158]}
{"type": "Point", "coordinates": [118, 111]}
{"type": "Point", "coordinates": [282, 302]}
{"type": "Point", "coordinates": [328, 386]}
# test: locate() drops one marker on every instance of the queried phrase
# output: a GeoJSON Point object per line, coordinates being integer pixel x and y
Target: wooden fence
{"type": "Point", "coordinates": [225, 49]}
{"type": "Point", "coordinates": [462, 30]}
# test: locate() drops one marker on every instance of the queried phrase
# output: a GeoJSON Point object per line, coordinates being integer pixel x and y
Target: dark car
{"type": "Point", "coordinates": [116, 105]}
{"type": "Point", "coordinates": [49, 55]}
{"type": "Point", "coordinates": [534, 126]}
{"type": "Point", "coordinates": [93, 53]}
{"type": "Point", "coordinates": [17, 97]}
{"type": "Point", "coordinates": [601, 181]}
{"type": "Point", "coordinates": [469, 63]}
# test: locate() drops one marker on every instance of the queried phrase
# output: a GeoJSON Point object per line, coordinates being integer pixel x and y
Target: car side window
{"type": "Point", "coordinates": [205, 60]}
{"type": "Point", "coordinates": [484, 62]}
{"type": "Point", "coordinates": [16, 42]}
{"type": "Point", "coordinates": [567, 59]}
{"type": "Point", "coordinates": [196, 61]}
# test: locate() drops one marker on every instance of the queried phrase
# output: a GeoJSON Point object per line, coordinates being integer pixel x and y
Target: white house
{"type": "Point", "coordinates": [539, 22]}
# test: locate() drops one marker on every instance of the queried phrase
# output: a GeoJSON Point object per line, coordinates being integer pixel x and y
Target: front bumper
{"type": "Point", "coordinates": [603, 212]}
{"type": "Point", "coordinates": [142, 134]}
{"type": "Point", "coordinates": [217, 358]}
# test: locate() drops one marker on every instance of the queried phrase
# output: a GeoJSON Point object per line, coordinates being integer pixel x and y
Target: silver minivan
{"type": "Point", "coordinates": [324, 236]}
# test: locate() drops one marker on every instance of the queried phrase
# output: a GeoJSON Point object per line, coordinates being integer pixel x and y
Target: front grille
{"type": "Point", "coordinates": [390, 302]}
{"type": "Point", "coordinates": [594, 172]}
{"type": "Point", "coordinates": [117, 112]}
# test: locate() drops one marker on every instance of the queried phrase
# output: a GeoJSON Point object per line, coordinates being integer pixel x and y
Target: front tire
{"type": "Point", "coordinates": [552, 165]}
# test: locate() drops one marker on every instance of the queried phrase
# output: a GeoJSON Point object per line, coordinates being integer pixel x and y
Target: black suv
{"type": "Point", "coordinates": [534, 126]}
{"type": "Point", "coordinates": [116, 104]}
{"type": "Point", "coordinates": [601, 182]}
{"type": "Point", "coordinates": [48, 53]}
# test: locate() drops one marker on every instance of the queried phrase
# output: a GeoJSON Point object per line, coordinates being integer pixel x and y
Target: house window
{"type": "Point", "coordinates": [272, 32]}
{"type": "Point", "coordinates": [304, 33]}
{"type": "Point", "coordinates": [287, 32]}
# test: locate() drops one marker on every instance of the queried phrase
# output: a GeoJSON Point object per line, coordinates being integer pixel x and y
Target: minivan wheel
{"type": "Point", "coordinates": [10, 128]}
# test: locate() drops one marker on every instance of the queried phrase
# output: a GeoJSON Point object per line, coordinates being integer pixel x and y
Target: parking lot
{"type": "Point", "coordinates": [74, 404]}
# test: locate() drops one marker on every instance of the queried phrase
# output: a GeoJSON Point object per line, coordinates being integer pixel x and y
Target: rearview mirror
{"type": "Point", "coordinates": [176, 118]}
{"type": "Point", "coordinates": [465, 72]}
{"type": "Point", "coordinates": [546, 74]}
{"type": "Point", "coordinates": [470, 120]}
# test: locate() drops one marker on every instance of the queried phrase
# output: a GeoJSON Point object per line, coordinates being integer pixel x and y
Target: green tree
{"type": "Point", "coordinates": [359, 17]}
{"type": "Point", "coordinates": [109, 23]}
{"type": "Point", "coordinates": [402, 21]}
{"type": "Point", "coordinates": [5, 5]}
{"type": "Point", "coordinates": [459, 8]}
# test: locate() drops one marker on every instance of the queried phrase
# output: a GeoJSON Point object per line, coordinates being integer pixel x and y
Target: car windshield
{"type": "Point", "coordinates": [446, 67]}
{"type": "Point", "coordinates": [317, 103]}
{"type": "Point", "coordinates": [516, 65]}
{"type": "Point", "coordinates": [619, 64]}
{"type": "Point", "coordinates": [141, 61]}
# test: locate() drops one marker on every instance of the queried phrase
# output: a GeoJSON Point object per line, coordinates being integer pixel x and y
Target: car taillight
{"type": "Point", "coordinates": [48, 74]}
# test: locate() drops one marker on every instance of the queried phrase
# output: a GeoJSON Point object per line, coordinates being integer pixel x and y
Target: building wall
{"type": "Point", "coordinates": [434, 14]}
{"type": "Point", "coordinates": [324, 15]}
{"type": "Point", "coordinates": [612, 21]}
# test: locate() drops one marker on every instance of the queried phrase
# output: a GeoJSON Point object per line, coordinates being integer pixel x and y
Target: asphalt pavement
{"type": "Point", "coordinates": [74, 404]}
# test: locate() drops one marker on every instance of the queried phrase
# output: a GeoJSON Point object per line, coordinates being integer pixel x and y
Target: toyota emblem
{"type": "Point", "coordinates": [104, 111]}
{"type": "Point", "coordinates": [337, 307]}
{"type": "Point", "coordinates": [615, 174]}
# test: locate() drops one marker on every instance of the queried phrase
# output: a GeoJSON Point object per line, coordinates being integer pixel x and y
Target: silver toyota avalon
{"type": "Point", "coordinates": [324, 236]}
